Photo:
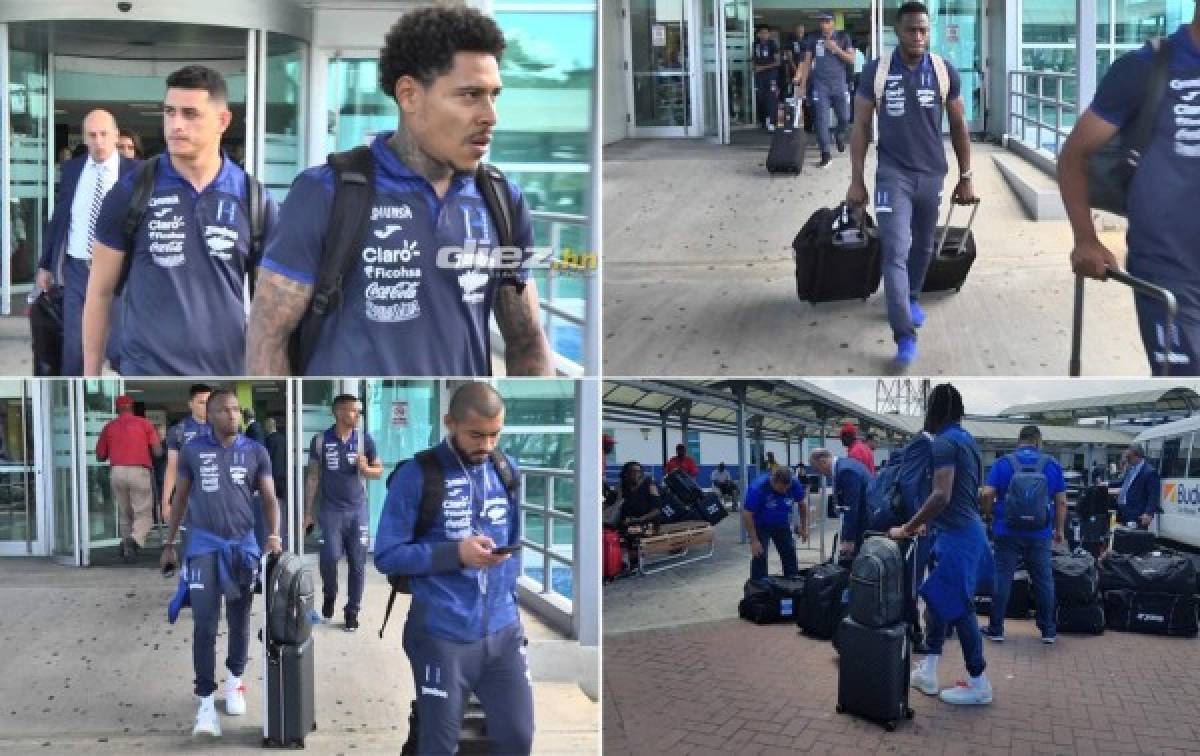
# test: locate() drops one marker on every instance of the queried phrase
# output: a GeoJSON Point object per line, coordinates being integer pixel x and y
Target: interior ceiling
{"type": "Point", "coordinates": [146, 40]}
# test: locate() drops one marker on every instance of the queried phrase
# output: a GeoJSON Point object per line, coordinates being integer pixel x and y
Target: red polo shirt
{"type": "Point", "coordinates": [685, 463]}
{"type": "Point", "coordinates": [860, 451]}
{"type": "Point", "coordinates": [126, 441]}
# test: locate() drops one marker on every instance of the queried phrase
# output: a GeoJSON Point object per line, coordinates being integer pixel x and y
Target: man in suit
{"type": "Point", "coordinates": [850, 480]}
{"type": "Point", "coordinates": [66, 254]}
{"type": "Point", "coordinates": [1138, 501]}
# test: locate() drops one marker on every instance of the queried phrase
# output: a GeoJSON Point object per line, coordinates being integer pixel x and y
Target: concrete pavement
{"type": "Point", "coordinates": [699, 277]}
{"type": "Point", "coordinates": [683, 675]}
{"type": "Point", "coordinates": [91, 665]}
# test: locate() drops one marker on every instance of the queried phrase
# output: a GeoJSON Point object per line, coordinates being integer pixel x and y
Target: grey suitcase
{"type": "Point", "coordinates": [873, 672]}
{"type": "Point", "coordinates": [877, 583]}
{"type": "Point", "coordinates": [290, 686]}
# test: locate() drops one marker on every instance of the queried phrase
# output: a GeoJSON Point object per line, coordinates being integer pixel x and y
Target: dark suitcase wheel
{"type": "Point", "coordinates": [909, 713]}
{"type": "Point", "coordinates": [889, 726]}
{"type": "Point", "coordinates": [839, 709]}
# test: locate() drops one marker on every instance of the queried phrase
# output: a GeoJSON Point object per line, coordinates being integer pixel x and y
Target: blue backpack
{"type": "Point", "coordinates": [885, 501]}
{"type": "Point", "coordinates": [1026, 505]}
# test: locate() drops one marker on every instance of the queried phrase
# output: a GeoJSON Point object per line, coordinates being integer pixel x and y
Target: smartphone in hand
{"type": "Point", "coordinates": [500, 550]}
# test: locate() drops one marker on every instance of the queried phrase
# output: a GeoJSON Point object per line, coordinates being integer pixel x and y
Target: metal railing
{"type": "Point", "coordinates": [1040, 93]}
{"type": "Point", "coordinates": [545, 551]}
{"type": "Point", "coordinates": [552, 311]}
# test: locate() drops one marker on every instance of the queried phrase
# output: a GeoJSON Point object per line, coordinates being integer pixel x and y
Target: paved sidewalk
{"type": "Point", "coordinates": [683, 675]}
{"type": "Point", "coordinates": [699, 277]}
{"type": "Point", "coordinates": [90, 665]}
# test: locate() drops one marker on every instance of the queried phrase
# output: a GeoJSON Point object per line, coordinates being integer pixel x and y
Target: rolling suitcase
{"type": "Point", "coordinates": [954, 254]}
{"type": "Point", "coordinates": [874, 641]}
{"type": "Point", "coordinates": [612, 553]}
{"type": "Point", "coordinates": [289, 676]}
{"type": "Point", "coordinates": [1143, 287]}
{"type": "Point", "coordinates": [836, 260]}
{"type": "Point", "coordinates": [788, 145]}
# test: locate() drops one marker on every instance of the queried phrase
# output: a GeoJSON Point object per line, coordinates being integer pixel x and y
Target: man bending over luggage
{"type": "Point", "coordinates": [463, 633]}
{"type": "Point", "coordinates": [340, 459]}
{"type": "Point", "coordinates": [961, 550]}
{"type": "Point", "coordinates": [1030, 498]}
{"type": "Point", "coordinates": [767, 518]}
{"type": "Point", "coordinates": [850, 481]}
{"type": "Point", "coordinates": [912, 164]}
{"type": "Point", "coordinates": [219, 476]}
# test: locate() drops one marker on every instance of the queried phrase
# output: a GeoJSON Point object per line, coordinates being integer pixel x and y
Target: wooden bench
{"type": "Point", "coordinates": [673, 544]}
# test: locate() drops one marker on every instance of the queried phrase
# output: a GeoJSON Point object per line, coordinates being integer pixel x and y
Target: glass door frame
{"type": "Point", "coordinates": [693, 72]}
{"type": "Point", "coordinates": [35, 515]}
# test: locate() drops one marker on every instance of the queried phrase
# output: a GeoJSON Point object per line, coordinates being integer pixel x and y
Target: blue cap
{"type": "Point", "coordinates": [824, 16]}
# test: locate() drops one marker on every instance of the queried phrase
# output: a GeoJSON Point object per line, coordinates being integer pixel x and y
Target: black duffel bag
{"type": "Point", "coordinates": [1151, 613]}
{"type": "Point", "coordinates": [673, 510]}
{"type": "Point", "coordinates": [681, 484]}
{"type": "Point", "coordinates": [771, 599]}
{"type": "Point", "coordinates": [711, 508]}
{"type": "Point", "coordinates": [1084, 619]}
{"type": "Point", "coordinates": [1076, 578]}
{"type": "Point", "coordinates": [1157, 572]}
{"type": "Point", "coordinates": [821, 607]}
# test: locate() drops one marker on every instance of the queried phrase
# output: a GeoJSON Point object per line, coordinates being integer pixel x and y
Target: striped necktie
{"type": "Point", "coordinates": [97, 201]}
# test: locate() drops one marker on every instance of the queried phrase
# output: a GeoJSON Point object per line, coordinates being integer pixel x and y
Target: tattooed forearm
{"type": "Point", "coordinates": [279, 303]}
{"type": "Point", "coordinates": [526, 351]}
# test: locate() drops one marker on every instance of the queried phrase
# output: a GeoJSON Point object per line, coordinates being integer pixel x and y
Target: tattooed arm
{"type": "Point", "coordinates": [526, 351]}
{"type": "Point", "coordinates": [279, 303]}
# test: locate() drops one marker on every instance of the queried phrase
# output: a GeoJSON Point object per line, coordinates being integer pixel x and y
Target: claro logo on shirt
{"type": "Point", "coordinates": [387, 300]}
{"type": "Point", "coordinates": [1187, 117]}
{"type": "Point", "coordinates": [165, 232]}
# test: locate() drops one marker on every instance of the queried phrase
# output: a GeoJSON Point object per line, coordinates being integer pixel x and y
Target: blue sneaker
{"type": "Point", "coordinates": [906, 351]}
{"type": "Point", "coordinates": [918, 315]}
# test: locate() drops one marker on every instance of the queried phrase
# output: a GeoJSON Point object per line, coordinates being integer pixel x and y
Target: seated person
{"type": "Point", "coordinates": [723, 482]}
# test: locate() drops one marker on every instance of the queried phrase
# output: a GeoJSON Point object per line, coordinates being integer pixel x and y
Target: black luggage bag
{"type": "Point", "coordinates": [1132, 541]}
{"type": "Point", "coordinates": [1156, 572]}
{"type": "Point", "coordinates": [1151, 613]}
{"type": "Point", "coordinates": [821, 606]}
{"type": "Point", "coordinates": [711, 508]}
{"type": "Point", "coordinates": [1076, 578]}
{"type": "Point", "coordinates": [682, 485]}
{"type": "Point", "coordinates": [46, 330]}
{"type": "Point", "coordinates": [953, 255]}
{"type": "Point", "coordinates": [788, 145]}
{"type": "Point", "coordinates": [1083, 619]}
{"type": "Point", "coordinates": [771, 599]}
{"type": "Point", "coordinates": [289, 677]}
{"type": "Point", "coordinates": [672, 510]}
{"type": "Point", "coordinates": [835, 263]}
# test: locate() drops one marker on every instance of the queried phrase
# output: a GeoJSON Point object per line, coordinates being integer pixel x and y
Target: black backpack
{"type": "Point", "coordinates": [353, 198]}
{"type": "Point", "coordinates": [433, 492]}
{"type": "Point", "coordinates": [143, 188]}
{"type": "Point", "coordinates": [289, 594]}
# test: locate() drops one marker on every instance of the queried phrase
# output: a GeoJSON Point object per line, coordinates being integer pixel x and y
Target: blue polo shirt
{"type": "Point", "coordinates": [771, 509]}
{"type": "Point", "coordinates": [1001, 475]}
{"type": "Point", "coordinates": [184, 311]}
{"type": "Point", "coordinates": [828, 68]}
{"type": "Point", "coordinates": [910, 119]}
{"type": "Point", "coordinates": [402, 313]}
{"type": "Point", "coordinates": [341, 487]}
{"type": "Point", "coordinates": [765, 52]}
{"type": "Point", "coordinates": [954, 447]}
{"type": "Point", "coordinates": [1163, 222]}
{"type": "Point", "coordinates": [224, 481]}
{"type": "Point", "coordinates": [182, 432]}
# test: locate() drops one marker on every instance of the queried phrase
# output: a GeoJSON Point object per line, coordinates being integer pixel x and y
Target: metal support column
{"type": "Point", "coordinates": [739, 392]}
{"type": "Point", "coordinates": [586, 614]}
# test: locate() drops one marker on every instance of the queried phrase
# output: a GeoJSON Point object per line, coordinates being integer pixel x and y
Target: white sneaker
{"type": "Point", "coordinates": [923, 681]}
{"type": "Point", "coordinates": [235, 696]}
{"type": "Point", "coordinates": [770, 126]}
{"type": "Point", "coordinates": [968, 692]}
{"type": "Point", "coordinates": [207, 721]}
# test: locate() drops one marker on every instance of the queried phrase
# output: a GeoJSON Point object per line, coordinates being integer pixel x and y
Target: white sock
{"type": "Point", "coordinates": [930, 663]}
{"type": "Point", "coordinates": [208, 701]}
{"type": "Point", "coordinates": [979, 682]}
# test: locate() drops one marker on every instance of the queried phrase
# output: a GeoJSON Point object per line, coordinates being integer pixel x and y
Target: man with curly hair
{"type": "Point", "coordinates": [425, 274]}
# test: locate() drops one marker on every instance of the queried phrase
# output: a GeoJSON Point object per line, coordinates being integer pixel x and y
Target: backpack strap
{"type": "Point", "coordinates": [881, 74]}
{"type": "Point", "coordinates": [433, 492]}
{"type": "Point", "coordinates": [353, 197]}
{"type": "Point", "coordinates": [256, 200]}
{"type": "Point", "coordinates": [1156, 87]}
{"type": "Point", "coordinates": [942, 74]}
{"type": "Point", "coordinates": [143, 187]}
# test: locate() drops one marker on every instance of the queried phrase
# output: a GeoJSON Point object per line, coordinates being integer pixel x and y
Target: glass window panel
{"type": "Point", "coordinates": [1193, 467]}
{"type": "Point", "coordinates": [284, 134]}
{"type": "Point", "coordinates": [99, 400]}
{"type": "Point", "coordinates": [1103, 22]}
{"type": "Point", "coordinates": [1136, 21]}
{"type": "Point", "coordinates": [30, 132]}
{"type": "Point", "coordinates": [1048, 21]}
{"type": "Point", "coordinates": [402, 417]}
{"type": "Point", "coordinates": [1174, 458]}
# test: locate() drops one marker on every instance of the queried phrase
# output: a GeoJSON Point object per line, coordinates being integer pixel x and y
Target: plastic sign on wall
{"type": "Point", "coordinates": [400, 414]}
{"type": "Point", "coordinates": [1181, 496]}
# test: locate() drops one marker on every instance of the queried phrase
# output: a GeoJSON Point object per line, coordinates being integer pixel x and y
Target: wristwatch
{"type": "Point", "coordinates": [966, 175]}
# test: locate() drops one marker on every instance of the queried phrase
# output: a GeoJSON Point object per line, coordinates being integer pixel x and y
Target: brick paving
{"type": "Point", "coordinates": [728, 686]}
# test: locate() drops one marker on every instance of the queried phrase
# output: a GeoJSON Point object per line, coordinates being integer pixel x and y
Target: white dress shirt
{"type": "Point", "coordinates": [81, 205]}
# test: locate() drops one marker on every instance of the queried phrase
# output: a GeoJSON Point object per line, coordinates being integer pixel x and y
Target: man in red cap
{"type": "Point", "coordinates": [856, 449]}
{"type": "Point", "coordinates": [127, 442]}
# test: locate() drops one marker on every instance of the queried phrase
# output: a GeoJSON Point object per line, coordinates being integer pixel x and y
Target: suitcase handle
{"type": "Point", "coordinates": [946, 226]}
{"type": "Point", "coordinates": [1139, 285]}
